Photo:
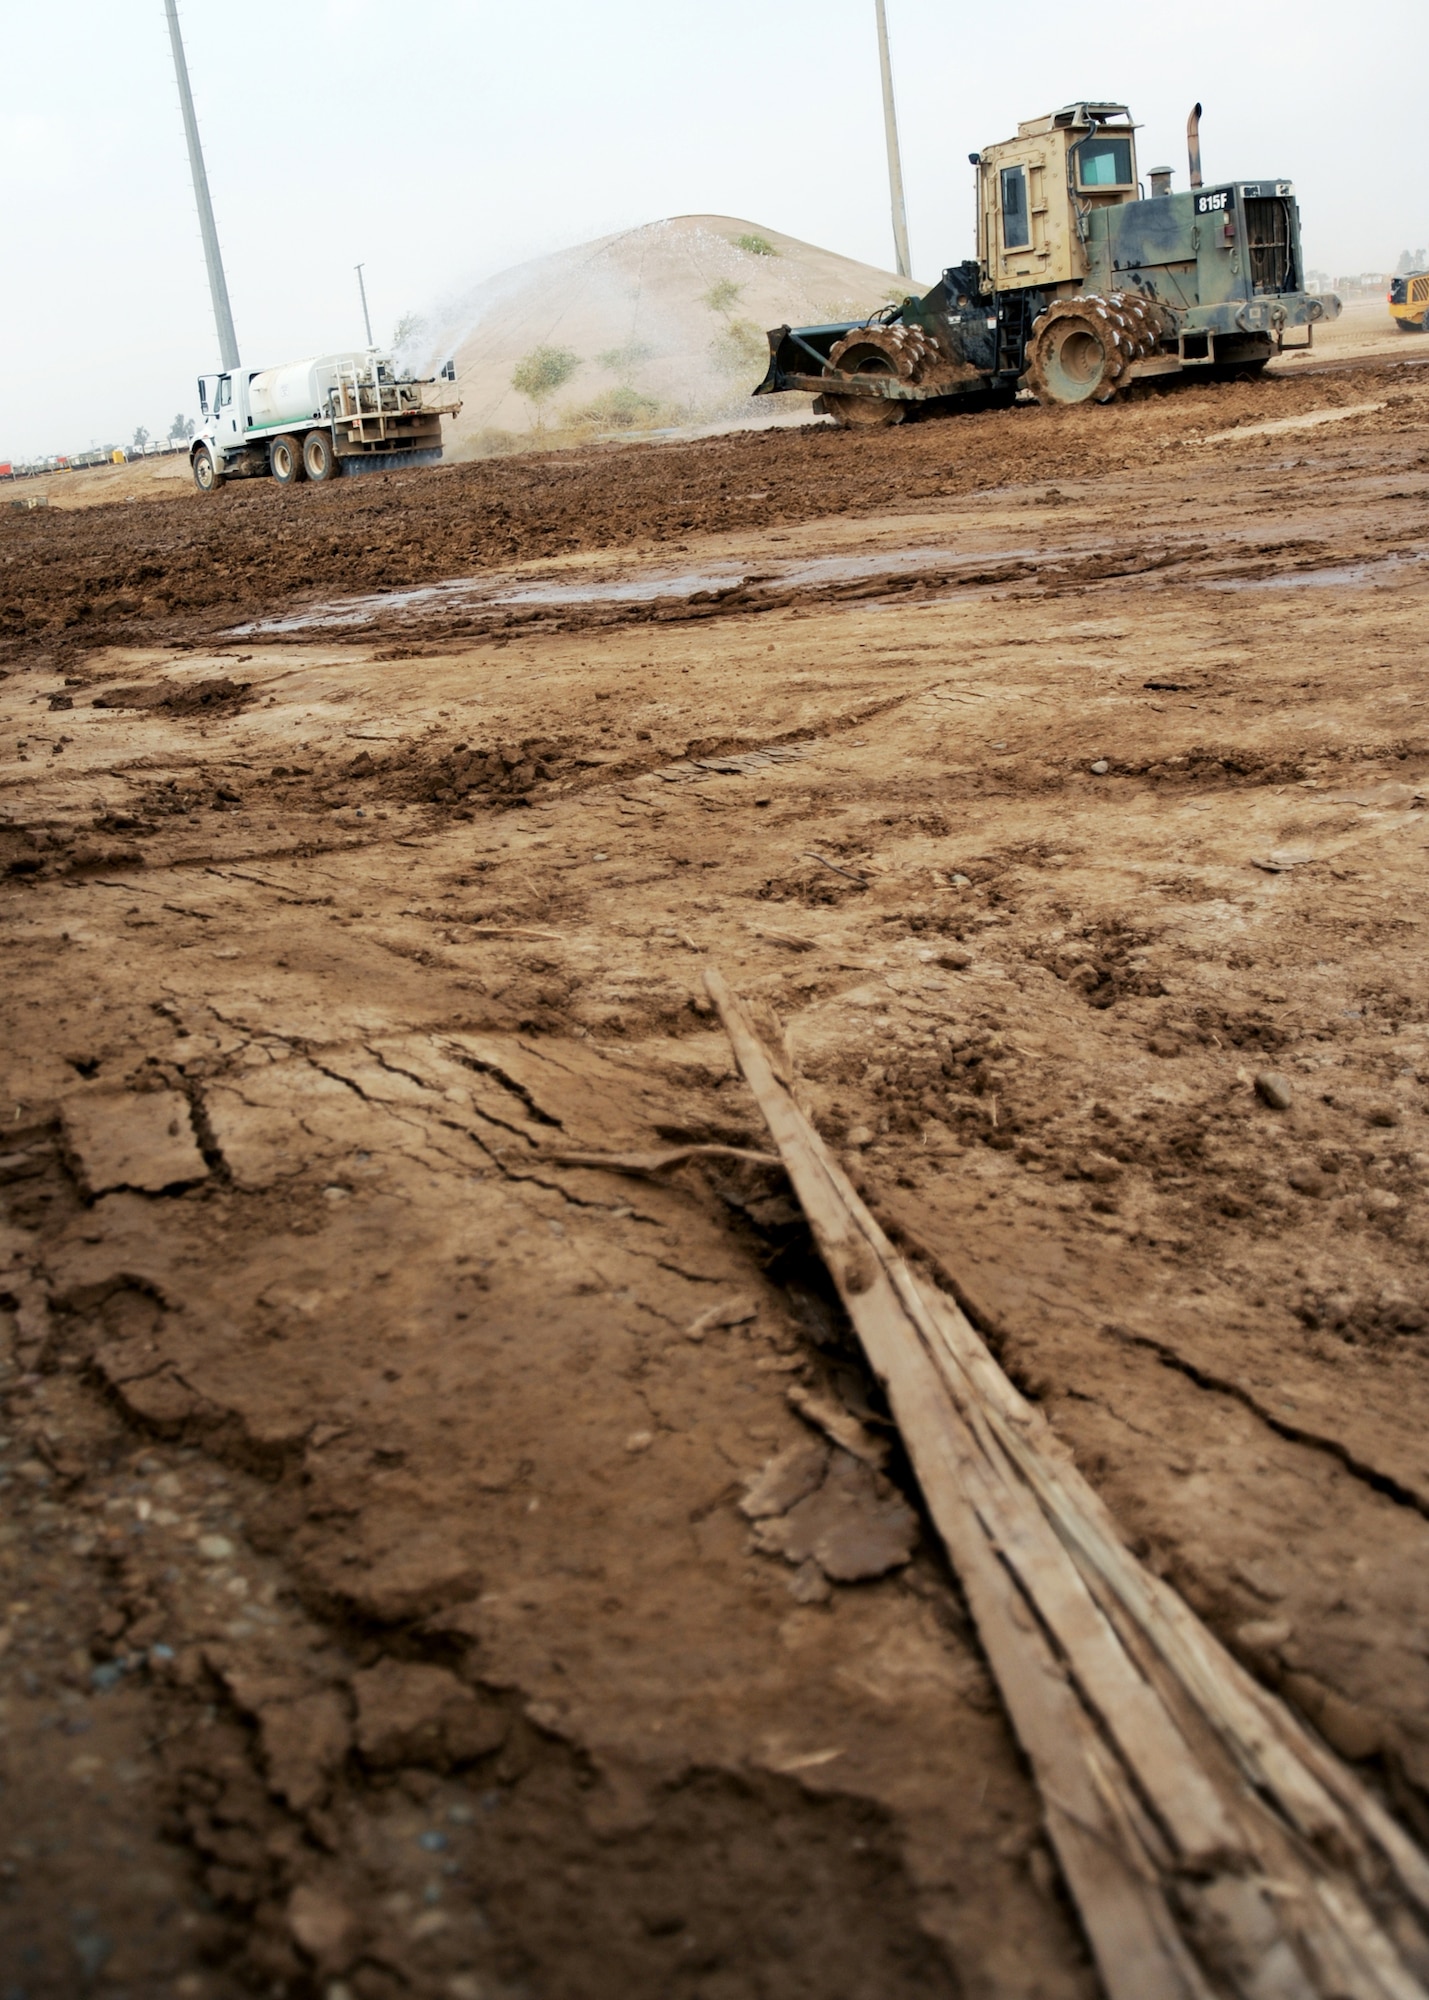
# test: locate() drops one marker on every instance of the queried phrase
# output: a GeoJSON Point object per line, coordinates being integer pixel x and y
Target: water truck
{"type": "Point", "coordinates": [309, 419]}
{"type": "Point", "coordinates": [318, 419]}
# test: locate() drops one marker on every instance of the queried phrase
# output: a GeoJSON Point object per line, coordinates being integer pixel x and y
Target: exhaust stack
{"type": "Point", "coordinates": [1193, 144]}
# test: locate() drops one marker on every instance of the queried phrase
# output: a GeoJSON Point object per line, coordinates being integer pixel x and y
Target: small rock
{"type": "Point", "coordinates": [1164, 1045]}
{"type": "Point", "coordinates": [953, 958]}
{"type": "Point", "coordinates": [838, 1424]}
{"type": "Point", "coordinates": [1382, 1114]}
{"type": "Point", "coordinates": [324, 1927]}
{"type": "Point", "coordinates": [1273, 1089]}
{"type": "Point", "coordinates": [856, 1526]}
{"type": "Point", "coordinates": [217, 1548]}
{"type": "Point", "coordinates": [809, 1585]}
{"type": "Point", "coordinates": [1379, 1201]}
{"type": "Point", "coordinates": [1098, 1167]}
{"type": "Point", "coordinates": [733, 1312]}
{"type": "Point", "coordinates": [860, 1136]}
{"type": "Point", "coordinates": [1309, 1181]}
{"type": "Point", "coordinates": [1259, 1577]}
{"type": "Point", "coordinates": [411, 1713]}
{"type": "Point", "coordinates": [1264, 1635]}
{"type": "Point", "coordinates": [639, 1441]}
{"type": "Point", "coordinates": [1100, 768]}
{"type": "Point", "coordinates": [786, 1479]}
{"type": "Point", "coordinates": [304, 1743]}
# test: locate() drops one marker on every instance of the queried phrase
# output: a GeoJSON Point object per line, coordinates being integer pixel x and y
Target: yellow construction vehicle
{"type": "Point", "coordinates": [1409, 302]}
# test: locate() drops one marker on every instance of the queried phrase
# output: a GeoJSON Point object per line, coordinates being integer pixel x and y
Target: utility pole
{"type": "Point", "coordinates": [895, 165]}
{"type": "Point", "coordinates": [217, 283]}
{"type": "Point", "coordinates": [366, 316]}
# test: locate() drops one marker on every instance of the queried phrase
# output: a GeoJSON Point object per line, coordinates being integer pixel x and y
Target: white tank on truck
{"type": "Point", "coordinates": [318, 419]}
{"type": "Point", "coordinates": [297, 393]}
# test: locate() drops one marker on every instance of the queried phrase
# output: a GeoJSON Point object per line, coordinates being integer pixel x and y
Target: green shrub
{"type": "Point", "coordinates": [622, 409]}
{"type": "Point", "coordinates": [541, 373]}
{"type": "Point", "coordinates": [740, 349]}
{"type": "Point", "coordinates": [757, 246]}
{"type": "Point", "coordinates": [624, 361]}
{"type": "Point", "coordinates": [722, 295]}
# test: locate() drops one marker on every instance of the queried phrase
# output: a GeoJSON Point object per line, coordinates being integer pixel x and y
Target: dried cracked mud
{"type": "Point", "coordinates": [435, 1568]}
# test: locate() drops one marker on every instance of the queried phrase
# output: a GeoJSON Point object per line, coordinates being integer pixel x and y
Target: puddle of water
{"type": "Point", "coordinates": [1348, 575]}
{"type": "Point", "coordinates": [465, 592]}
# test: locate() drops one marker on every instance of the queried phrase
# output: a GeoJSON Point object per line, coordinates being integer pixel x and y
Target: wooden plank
{"type": "Point", "coordinates": [1210, 1844]}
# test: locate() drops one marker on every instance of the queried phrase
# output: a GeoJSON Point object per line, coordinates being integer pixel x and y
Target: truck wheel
{"type": "Point", "coordinates": [1073, 357]}
{"type": "Point", "coordinates": [1081, 348]}
{"type": "Point", "coordinates": [319, 458]}
{"type": "Point", "coordinates": [900, 353]}
{"type": "Point", "coordinates": [285, 460]}
{"type": "Point", "coordinates": [206, 474]}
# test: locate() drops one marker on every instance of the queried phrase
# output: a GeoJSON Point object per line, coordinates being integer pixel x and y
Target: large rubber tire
{"type": "Point", "coordinates": [1082, 348]}
{"type": "Point", "coordinates": [207, 477]}
{"type": "Point", "coordinates": [285, 460]}
{"type": "Point", "coordinates": [319, 457]}
{"type": "Point", "coordinates": [857, 413]}
{"type": "Point", "coordinates": [902, 353]}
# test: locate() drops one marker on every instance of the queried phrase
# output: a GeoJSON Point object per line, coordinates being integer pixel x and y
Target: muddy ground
{"type": "Point", "coordinates": [383, 1610]}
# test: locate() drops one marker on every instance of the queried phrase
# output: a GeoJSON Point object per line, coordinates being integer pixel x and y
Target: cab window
{"type": "Point", "coordinates": [225, 392]}
{"type": "Point", "coordinates": [1015, 231]}
{"type": "Point", "coordinates": [1104, 163]}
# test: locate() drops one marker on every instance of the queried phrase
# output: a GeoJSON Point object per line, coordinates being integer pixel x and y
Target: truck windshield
{"type": "Point", "coordinates": [1014, 208]}
{"type": "Point", "coordinates": [1105, 163]}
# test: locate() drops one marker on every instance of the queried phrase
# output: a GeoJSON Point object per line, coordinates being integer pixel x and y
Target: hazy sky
{"type": "Point", "coordinates": [439, 140]}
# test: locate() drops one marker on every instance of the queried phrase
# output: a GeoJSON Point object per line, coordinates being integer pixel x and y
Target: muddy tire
{"type": "Point", "coordinates": [900, 353]}
{"type": "Point", "coordinates": [207, 477]}
{"type": "Point", "coordinates": [1082, 348]}
{"type": "Point", "coordinates": [285, 460]}
{"type": "Point", "coordinates": [319, 457]}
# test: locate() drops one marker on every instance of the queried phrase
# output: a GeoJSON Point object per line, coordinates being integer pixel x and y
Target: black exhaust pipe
{"type": "Point", "coordinates": [1193, 145]}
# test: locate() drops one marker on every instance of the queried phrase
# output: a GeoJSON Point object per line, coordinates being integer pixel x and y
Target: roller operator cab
{"type": "Point", "coordinates": [317, 419]}
{"type": "Point", "coordinates": [1083, 285]}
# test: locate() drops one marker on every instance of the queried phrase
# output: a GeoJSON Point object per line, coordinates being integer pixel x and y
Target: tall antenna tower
{"type": "Point", "coordinates": [895, 164]}
{"type": "Point", "coordinates": [217, 283]}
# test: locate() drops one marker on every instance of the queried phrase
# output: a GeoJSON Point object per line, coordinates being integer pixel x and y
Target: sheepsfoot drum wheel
{"type": "Point", "coordinates": [205, 472]}
{"type": "Point", "coordinates": [319, 458]}
{"type": "Point", "coordinates": [1082, 348]}
{"type": "Point", "coordinates": [900, 353]}
{"type": "Point", "coordinates": [285, 460]}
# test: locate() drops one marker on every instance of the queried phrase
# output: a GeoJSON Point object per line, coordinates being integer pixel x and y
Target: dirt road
{"type": "Point", "coordinates": [387, 1607]}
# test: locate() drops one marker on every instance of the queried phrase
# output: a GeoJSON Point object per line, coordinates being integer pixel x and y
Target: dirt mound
{"type": "Point", "coordinates": [663, 325]}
